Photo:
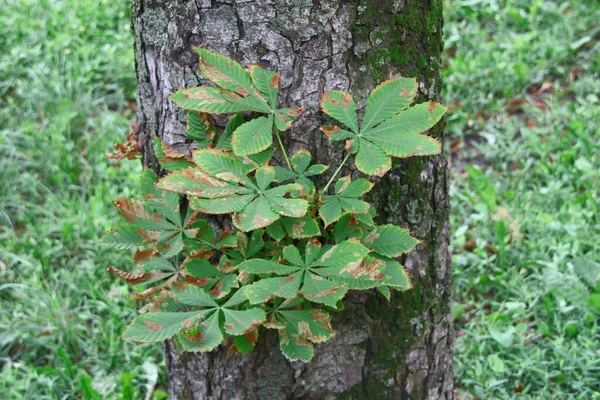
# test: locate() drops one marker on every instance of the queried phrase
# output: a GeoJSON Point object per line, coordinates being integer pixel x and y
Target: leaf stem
{"type": "Point", "coordinates": [337, 171]}
{"type": "Point", "coordinates": [287, 160]}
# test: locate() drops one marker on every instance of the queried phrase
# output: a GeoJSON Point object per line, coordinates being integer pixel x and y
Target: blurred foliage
{"type": "Point", "coordinates": [66, 88]}
{"type": "Point", "coordinates": [523, 79]}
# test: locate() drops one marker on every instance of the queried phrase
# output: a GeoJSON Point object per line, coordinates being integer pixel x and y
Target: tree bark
{"type": "Point", "coordinates": [382, 350]}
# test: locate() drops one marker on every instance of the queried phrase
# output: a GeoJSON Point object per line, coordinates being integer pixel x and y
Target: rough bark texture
{"type": "Point", "coordinates": [401, 349]}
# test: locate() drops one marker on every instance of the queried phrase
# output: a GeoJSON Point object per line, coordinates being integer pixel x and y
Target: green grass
{"type": "Point", "coordinates": [66, 76]}
{"type": "Point", "coordinates": [526, 219]}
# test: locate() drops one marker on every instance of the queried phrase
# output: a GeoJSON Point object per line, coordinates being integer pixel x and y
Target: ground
{"type": "Point", "coordinates": [523, 80]}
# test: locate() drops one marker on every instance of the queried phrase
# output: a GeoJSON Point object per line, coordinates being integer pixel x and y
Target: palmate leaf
{"type": "Point", "coordinates": [302, 170]}
{"type": "Point", "coordinates": [345, 199]}
{"type": "Point", "coordinates": [389, 128]}
{"type": "Point", "coordinates": [253, 201]}
{"type": "Point", "coordinates": [206, 335]}
{"type": "Point", "coordinates": [317, 277]}
{"type": "Point", "coordinates": [155, 223]}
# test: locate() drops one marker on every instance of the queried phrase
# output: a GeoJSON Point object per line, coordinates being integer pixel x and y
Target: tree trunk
{"type": "Point", "coordinates": [382, 350]}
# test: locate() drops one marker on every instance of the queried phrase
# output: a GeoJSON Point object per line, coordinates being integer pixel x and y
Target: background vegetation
{"type": "Point", "coordinates": [523, 78]}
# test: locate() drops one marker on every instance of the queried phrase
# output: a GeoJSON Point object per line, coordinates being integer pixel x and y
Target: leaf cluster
{"type": "Point", "coordinates": [292, 250]}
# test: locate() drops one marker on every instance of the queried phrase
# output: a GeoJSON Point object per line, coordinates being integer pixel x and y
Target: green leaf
{"type": "Point", "coordinates": [331, 210]}
{"type": "Point", "coordinates": [361, 274]}
{"type": "Point", "coordinates": [340, 106]}
{"type": "Point", "coordinates": [400, 136]}
{"type": "Point", "coordinates": [285, 116]}
{"type": "Point", "coordinates": [207, 99]}
{"type": "Point", "coordinates": [264, 176]}
{"type": "Point", "coordinates": [238, 322]}
{"type": "Point", "coordinates": [203, 337]}
{"type": "Point", "coordinates": [301, 328]}
{"type": "Point", "coordinates": [194, 296]}
{"type": "Point", "coordinates": [354, 205]}
{"type": "Point", "coordinates": [396, 276]}
{"type": "Point", "coordinates": [294, 347]}
{"type": "Point", "coordinates": [335, 134]}
{"type": "Point", "coordinates": [245, 343]}
{"type": "Point", "coordinates": [224, 141]}
{"type": "Point", "coordinates": [321, 290]}
{"type": "Point", "coordinates": [258, 214]}
{"type": "Point", "coordinates": [221, 165]}
{"type": "Point", "coordinates": [276, 230]}
{"type": "Point", "coordinates": [260, 266]}
{"type": "Point", "coordinates": [259, 159]}
{"type": "Point", "coordinates": [300, 162]}
{"type": "Point", "coordinates": [123, 237]}
{"type": "Point", "coordinates": [371, 160]}
{"type": "Point", "coordinates": [387, 99]}
{"type": "Point", "coordinates": [230, 75]}
{"type": "Point", "coordinates": [200, 268]}
{"type": "Point", "coordinates": [295, 208]}
{"type": "Point", "coordinates": [267, 82]}
{"type": "Point", "coordinates": [347, 188]}
{"type": "Point", "coordinates": [222, 205]}
{"type": "Point", "coordinates": [192, 181]}
{"type": "Point", "coordinates": [348, 227]}
{"type": "Point", "coordinates": [292, 255]}
{"type": "Point", "coordinates": [158, 326]}
{"type": "Point", "coordinates": [390, 240]}
{"type": "Point", "coordinates": [341, 255]}
{"type": "Point", "coordinates": [263, 290]}
{"type": "Point", "coordinates": [199, 129]}
{"type": "Point", "coordinates": [301, 228]}
{"type": "Point", "coordinates": [253, 137]}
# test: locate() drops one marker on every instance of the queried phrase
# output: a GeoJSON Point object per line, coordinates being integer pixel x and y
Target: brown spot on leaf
{"type": "Point", "coordinates": [431, 107]}
{"type": "Point", "coordinates": [131, 278]}
{"type": "Point", "coordinates": [196, 337]}
{"type": "Point", "coordinates": [146, 293]}
{"type": "Point", "coordinates": [298, 229]}
{"type": "Point", "coordinates": [142, 255]}
{"type": "Point", "coordinates": [275, 81]}
{"type": "Point", "coordinates": [152, 326]}
{"type": "Point", "coordinates": [329, 130]}
{"type": "Point", "coordinates": [346, 101]}
{"type": "Point", "coordinates": [348, 144]}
